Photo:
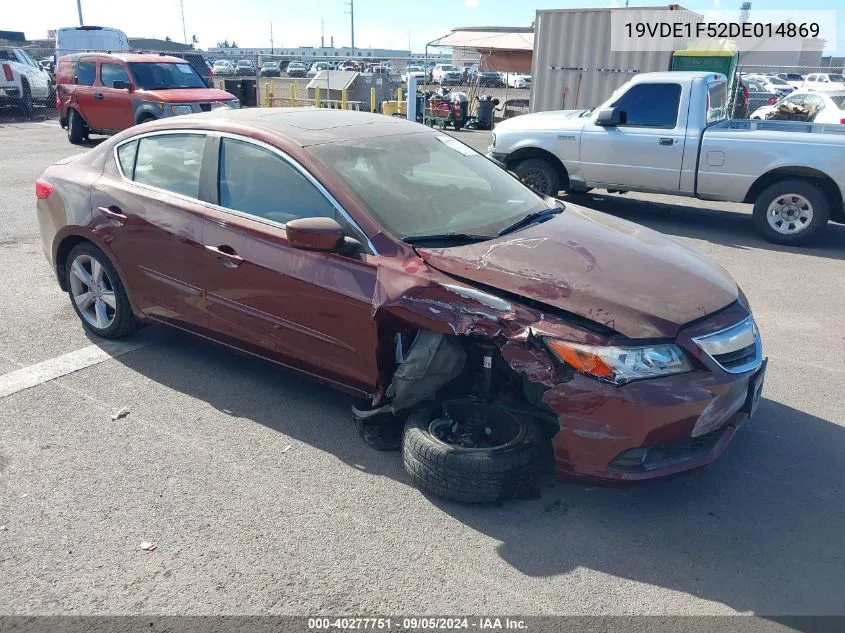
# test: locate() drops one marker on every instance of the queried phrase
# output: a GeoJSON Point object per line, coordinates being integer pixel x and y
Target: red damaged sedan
{"type": "Point", "coordinates": [476, 320]}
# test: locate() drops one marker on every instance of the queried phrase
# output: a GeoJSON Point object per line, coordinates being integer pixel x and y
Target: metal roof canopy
{"type": "Point", "coordinates": [489, 38]}
{"type": "Point", "coordinates": [334, 79]}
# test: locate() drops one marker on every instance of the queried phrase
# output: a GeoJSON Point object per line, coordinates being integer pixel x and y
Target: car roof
{"type": "Point", "coordinates": [129, 57]}
{"type": "Point", "coordinates": [300, 126]}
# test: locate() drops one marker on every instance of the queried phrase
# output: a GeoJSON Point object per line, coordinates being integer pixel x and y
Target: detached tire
{"type": "Point", "coordinates": [538, 174]}
{"type": "Point", "coordinates": [791, 211]}
{"type": "Point", "coordinates": [470, 475]}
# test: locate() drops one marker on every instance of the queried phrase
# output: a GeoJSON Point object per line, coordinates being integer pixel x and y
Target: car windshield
{"type": "Point", "coordinates": [165, 75]}
{"type": "Point", "coordinates": [269, 64]}
{"type": "Point", "coordinates": [447, 67]}
{"type": "Point", "coordinates": [429, 184]}
{"type": "Point", "coordinates": [837, 78]}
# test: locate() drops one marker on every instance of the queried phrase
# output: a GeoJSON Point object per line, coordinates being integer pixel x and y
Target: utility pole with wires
{"type": "Point", "coordinates": [182, 11]}
{"type": "Point", "coordinates": [351, 4]}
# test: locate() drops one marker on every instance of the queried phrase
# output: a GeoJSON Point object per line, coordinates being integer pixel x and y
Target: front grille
{"type": "Point", "coordinates": [639, 460]}
{"type": "Point", "coordinates": [205, 107]}
{"type": "Point", "coordinates": [736, 349]}
{"type": "Point", "coordinates": [738, 358]}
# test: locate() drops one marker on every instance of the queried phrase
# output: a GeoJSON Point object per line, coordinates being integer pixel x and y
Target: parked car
{"type": "Point", "coordinates": [296, 69]}
{"type": "Point", "coordinates": [48, 64]}
{"type": "Point", "coordinates": [447, 75]}
{"type": "Point", "coordinates": [414, 71]}
{"type": "Point", "coordinates": [80, 39]}
{"type": "Point", "coordinates": [793, 79]}
{"type": "Point", "coordinates": [23, 83]}
{"type": "Point", "coordinates": [669, 133]}
{"type": "Point", "coordinates": [772, 84]}
{"type": "Point", "coordinates": [518, 80]}
{"type": "Point", "coordinates": [509, 317]}
{"type": "Point", "coordinates": [245, 67]}
{"type": "Point", "coordinates": [270, 69]}
{"type": "Point", "coordinates": [223, 68]}
{"type": "Point", "coordinates": [824, 81]}
{"type": "Point", "coordinates": [317, 67]}
{"type": "Point", "coordinates": [759, 94]}
{"type": "Point", "coordinates": [826, 106]}
{"type": "Point", "coordinates": [485, 78]}
{"type": "Point", "coordinates": [98, 93]}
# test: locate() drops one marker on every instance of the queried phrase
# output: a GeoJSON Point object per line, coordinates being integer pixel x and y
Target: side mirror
{"type": "Point", "coordinates": [119, 84]}
{"type": "Point", "coordinates": [611, 117]}
{"type": "Point", "coordinates": [315, 234]}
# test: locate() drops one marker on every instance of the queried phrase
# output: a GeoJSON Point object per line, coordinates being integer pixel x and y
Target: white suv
{"type": "Point", "coordinates": [824, 81]}
{"type": "Point", "coordinates": [445, 74]}
{"type": "Point", "coordinates": [23, 82]}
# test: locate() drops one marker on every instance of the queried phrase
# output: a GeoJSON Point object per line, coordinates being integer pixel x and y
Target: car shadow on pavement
{"type": "Point", "coordinates": [729, 228]}
{"type": "Point", "coordinates": [759, 530]}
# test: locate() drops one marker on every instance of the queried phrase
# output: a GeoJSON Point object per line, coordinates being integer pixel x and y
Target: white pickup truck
{"type": "Point", "coordinates": [22, 81]}
{"type": "Point", "coordinates": [667, 133]}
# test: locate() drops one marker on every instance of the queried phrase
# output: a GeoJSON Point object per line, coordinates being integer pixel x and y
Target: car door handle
{"type": "Point", "coordinates": [99, 96]}
{"type": "Point", "coordinates": [227, 257]}
{"type": "Point", "coordinates": [113, 212]}
{"type": "Point", "coordinates": [666, 141]}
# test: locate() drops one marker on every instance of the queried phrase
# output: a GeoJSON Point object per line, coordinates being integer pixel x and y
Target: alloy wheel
{"type": "Point", "coordinates": [92, 291]}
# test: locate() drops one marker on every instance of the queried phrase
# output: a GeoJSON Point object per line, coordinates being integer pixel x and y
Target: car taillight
{"type": "Point", "coordinates": [842, 121]}
{"type": "Point", "coordinates": [772, 100]}
{"type": "Point", "coordinates": [7, 70]}
{"type": "Point", "coordinates": [43, 189]}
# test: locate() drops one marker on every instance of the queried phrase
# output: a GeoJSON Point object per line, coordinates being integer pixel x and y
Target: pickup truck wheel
{"type": "Point", "coordinates": [539, 175]}
{"type": "Point", "coordinates": [791, 211]}
{"type": "Point", "coordinates": [75, 127]}
{"type": "Point", "coordinates": [25, 103]}
{"type": "Point", "coordinates": [445, 457]}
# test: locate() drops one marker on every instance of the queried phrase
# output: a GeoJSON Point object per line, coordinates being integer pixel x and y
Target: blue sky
{"type": "Point", "coordinates": [298, 22]}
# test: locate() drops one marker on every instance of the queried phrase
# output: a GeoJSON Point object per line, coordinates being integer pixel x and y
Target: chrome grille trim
{"type": "Point", "coordinates": [730, 340]}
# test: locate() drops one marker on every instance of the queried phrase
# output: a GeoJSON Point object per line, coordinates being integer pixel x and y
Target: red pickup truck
{"type": "Point", "coordinates": [104, 93]}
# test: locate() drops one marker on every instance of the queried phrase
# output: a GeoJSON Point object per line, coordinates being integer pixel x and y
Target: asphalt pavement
{"type": "Point", "coordinates": [260, 497]}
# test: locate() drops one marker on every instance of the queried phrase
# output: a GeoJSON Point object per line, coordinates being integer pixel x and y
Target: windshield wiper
{"type": "Point", "coordinates": [531, 218]}
{"type": "Point", "coordinates": [446, 237]}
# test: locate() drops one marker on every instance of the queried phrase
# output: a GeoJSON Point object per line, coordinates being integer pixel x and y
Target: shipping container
{"type": "Point", "coordinates": [574, 66]}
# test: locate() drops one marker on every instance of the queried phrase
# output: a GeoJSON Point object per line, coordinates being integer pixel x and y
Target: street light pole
{"type": "Point", "coordinates": [79, 11]}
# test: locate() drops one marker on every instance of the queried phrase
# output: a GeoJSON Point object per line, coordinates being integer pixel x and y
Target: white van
{"type": "Point", "coordinates": [78, 39]}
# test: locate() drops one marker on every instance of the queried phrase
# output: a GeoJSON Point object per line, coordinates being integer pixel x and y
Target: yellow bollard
{"type": "Point", "coordinates": [343, 99]}
{"type": "Point", "coordinates": [372, 99]}
{"type": "Point", "coordinates": [399, 94]}
{"type": "Point", "coordinates": [268, 96]}
{"type": "Point", "coordinates": [293, 94]}
{"type": "Point", "coordinates": [317, 97]}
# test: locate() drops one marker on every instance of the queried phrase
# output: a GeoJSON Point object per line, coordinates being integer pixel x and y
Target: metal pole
{"type": "Point", "coordinates": [272, 50]}
{"type": "Point", "coordinates": [352, 24]}
{"type": "Point", "coordinates": [79, 10]}
{"type": "Point", "coordinates": [182, 10]}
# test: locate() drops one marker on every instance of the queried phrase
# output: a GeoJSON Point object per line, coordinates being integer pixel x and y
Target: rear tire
{"type": "Point", "coordinates": [540, 175]}
{"type": "Point", "coordinates": [25, 105]}
{"type": "Point", "coordinates": [791, 211]}
{"type": "Point", "coordinates": [75, 127]}
{"type": "Point", "coordinates": [100, 302]}
{"type": "Point", "coordinates": [468, 474]}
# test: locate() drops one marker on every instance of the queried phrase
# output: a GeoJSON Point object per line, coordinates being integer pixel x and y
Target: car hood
{"type": "Point", "coordinates": [554, 120]}
{"type": "Point", "coordinates": [187, 95]}
{"type": "Point", "coordinates": [622, 275]}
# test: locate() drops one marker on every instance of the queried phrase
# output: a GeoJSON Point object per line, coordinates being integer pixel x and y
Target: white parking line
{"type": "Point", "coordinates": [38, 374]}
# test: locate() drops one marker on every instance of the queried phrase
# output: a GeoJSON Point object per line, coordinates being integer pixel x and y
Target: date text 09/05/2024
{"type": "Point", "coordinates": [730, 30]}
{"type": "Point", "coordinates": [411, 624]}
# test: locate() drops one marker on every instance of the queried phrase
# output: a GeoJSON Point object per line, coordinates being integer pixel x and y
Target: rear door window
{"type": "Point", "coordinates": [126, 158]}
{"type": "Point", "coordinates": [171, 162]}
{"type": "Point", "coordinates": [651, 105]}
{"type": "Point", "coordinates": [86, 72]}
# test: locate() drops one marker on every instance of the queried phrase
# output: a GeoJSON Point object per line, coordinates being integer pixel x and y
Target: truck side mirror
{"type": "Point", "coordinates": [611, 117]}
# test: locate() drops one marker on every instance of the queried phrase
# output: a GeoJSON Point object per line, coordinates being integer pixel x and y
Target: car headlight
{"type": "Point", "coordinates": [621, 365]}
{"type": "Point", "coordinates": [182, 109]}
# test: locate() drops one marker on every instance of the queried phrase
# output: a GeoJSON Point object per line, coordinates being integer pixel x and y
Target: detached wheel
{"type": "Point", "coordinates": [791, 212]}
{"type": "Point", "coordinates": [97, 293]}
{"type": "Point", "coordinates": [539, 175]}
{"type": "Point", "coordinates": [451, 452]}
{"type": "Point", "coordinates": [75, 127]}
